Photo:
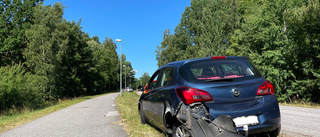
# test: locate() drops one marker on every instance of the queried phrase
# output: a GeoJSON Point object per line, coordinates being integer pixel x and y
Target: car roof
{"type": "Point", "coordinates": [182, 62]}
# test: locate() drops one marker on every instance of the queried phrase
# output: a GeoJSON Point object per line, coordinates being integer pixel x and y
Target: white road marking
{"type": "Point", "coordinates": [112, 113]}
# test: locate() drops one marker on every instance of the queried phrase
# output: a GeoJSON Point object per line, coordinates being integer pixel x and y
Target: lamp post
{"type": "Point", "coordinates": [125, 77]}
{"type": "Point", "coordinates": [119, 40]}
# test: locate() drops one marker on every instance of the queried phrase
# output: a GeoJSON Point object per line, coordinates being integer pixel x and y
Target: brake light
{"type": "Point", "coordinates": [190, 95]}
{"type": "Point", "coordinates": [266, 88]}
{"type": "Point", "coordinates": [219, 57]}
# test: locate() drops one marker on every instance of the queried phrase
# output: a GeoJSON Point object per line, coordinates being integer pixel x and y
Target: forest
{"type": "Point", "coordinates": [280, 37]}
{"type": "Point", "coordinates": [44, 57]}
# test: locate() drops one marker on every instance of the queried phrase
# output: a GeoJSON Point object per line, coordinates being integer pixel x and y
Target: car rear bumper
{"type": "Point", "coordinates": [268, 126]}
{"type": "Point", "coordinates": [267, 112]}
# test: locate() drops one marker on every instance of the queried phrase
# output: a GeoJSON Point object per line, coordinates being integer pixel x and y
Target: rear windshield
{"type": "Point", "coordinates": [211, 70]}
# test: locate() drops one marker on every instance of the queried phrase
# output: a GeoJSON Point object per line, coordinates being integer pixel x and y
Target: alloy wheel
{"type": "Point", "coordinates": [182, 131]}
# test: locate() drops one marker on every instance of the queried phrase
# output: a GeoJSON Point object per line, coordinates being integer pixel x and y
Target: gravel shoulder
{"type": "Point", "coordinates": [300, 121]}
{"type": "Point", "coordinates": [94, 117]}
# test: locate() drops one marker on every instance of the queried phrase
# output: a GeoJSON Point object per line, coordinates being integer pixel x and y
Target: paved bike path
{"type": "Point", "coordinates": [95, 117]}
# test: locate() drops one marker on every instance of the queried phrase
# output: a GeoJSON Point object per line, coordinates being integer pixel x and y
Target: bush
{"type": "Point", "coordinates": [19, 88]}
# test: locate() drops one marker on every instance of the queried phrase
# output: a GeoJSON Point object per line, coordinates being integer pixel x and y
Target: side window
{"type": "Point", "coordinates": [166, 76]}
{"type": "Point", "coordinates": [153, 80]}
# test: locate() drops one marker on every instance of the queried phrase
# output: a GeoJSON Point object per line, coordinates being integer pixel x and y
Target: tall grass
{"type": "Point", "coordinates": [130, 118]}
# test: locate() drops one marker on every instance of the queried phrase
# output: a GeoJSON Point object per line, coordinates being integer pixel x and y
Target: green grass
{"type": "Point", "coordinates": [130, 118]}
{"type": "Point", "coordinates": [301, 104]}
{"type": "Point", "coordinates": [16, 118]}
{"type": "Point", "coordinates": [283, 135]}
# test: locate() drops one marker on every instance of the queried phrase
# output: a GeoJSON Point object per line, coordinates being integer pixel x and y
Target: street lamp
{"type": "Point", "coordinates": [125, 77]}
{"type": "Point", "coordinates": [119, 40]}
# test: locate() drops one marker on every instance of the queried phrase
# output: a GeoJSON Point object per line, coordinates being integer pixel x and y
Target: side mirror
{"type": "Point", "coordinates": [145, 89]}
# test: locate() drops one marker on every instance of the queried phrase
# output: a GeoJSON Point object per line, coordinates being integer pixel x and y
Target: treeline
{"type": "Point", "coordinates": [44, 57]}
{"type": "Point", "coordinates": [280, 37]}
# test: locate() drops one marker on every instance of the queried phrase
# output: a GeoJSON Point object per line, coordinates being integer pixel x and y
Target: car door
{"type": "Point", "coordinates": [147, 106]}
{"type": "Point", "coordinates": [158, 96]}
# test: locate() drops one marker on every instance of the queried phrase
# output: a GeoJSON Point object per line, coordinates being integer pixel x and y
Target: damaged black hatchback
{"type": "Point", "coordinates": [214, 96]}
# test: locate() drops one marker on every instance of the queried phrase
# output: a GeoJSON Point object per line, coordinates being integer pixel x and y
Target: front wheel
{"type": "Point", "coordinates": [181, 131]}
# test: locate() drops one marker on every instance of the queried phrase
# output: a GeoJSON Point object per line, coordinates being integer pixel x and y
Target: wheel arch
{"type": "Point", "coordinates": [169, 121]}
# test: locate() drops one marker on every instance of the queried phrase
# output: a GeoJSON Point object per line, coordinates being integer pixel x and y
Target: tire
{"type": "Point", "coordinates": [181, 130]}
{"type": "Point", "coordinates": [142, 117]}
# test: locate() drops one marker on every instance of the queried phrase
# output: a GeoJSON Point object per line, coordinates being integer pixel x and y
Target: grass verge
{"type": "Point", "coordinates": [130, 118]}
{"type": "Point", "coordinates": [306, 105]}
{"type": "Point", "coordinates": [284, 135]}
{"type": "Point", "coordinates": [16, 119]}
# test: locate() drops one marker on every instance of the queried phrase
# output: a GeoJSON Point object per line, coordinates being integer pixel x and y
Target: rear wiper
{"type": "Point", "coordinates": [221, 79]}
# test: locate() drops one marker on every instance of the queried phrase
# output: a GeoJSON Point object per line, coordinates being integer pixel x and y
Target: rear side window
{"type": "Point", "coordinates": [201, 71]}
{"type": "Point", "coordinates": [166, 76]}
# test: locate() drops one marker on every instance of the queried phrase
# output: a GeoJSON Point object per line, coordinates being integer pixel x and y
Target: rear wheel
{"type": "Point", "coordinates": [181, 131]}
{"type": "Point", "coordinates": [142, 118]}
{"type": "Point", "coordinates": [275, 132]}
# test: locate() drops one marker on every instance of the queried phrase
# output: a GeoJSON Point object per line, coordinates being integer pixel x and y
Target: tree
{"type": "Point", "coordinates": [44, 57]}
{"type": "Point", "coordinates": [303, 32]}
{"type": "Point", "coordinates": [280, 37]}
{"type": "Point", "coordinates": [145, 78]}
{"type": "Point", "coordinates": [167, 52]}
{"type": "Point", "coordinates": [127, 71]}
{"type": "Point", "coordinates": [42, 49]}
{"type": "Point", "coordinates": [58, 51]}
{"type": "Point", "coordinates": [206, 27]}
{"type": "Point", "coordinates": [113, 69]}
{"type": "Point", "coordinates": [106, 64]}
{"type": "Point", "coordinates": [277, 41]}
{"type": "Point", "coordinates": [15, 18]}
{"type": "Point", "coordinates": [74, 61]}
{"type": "Point", "coordinates": [219, 21]}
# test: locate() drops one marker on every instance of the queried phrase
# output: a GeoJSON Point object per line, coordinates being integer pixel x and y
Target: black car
{"type": "Point", "coordinates": [181, 91]}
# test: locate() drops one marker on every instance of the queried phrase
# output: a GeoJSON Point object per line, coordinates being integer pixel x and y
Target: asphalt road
{"type": "Point", "coordinates": [299, 121]}
{"type": "Point", "coordinates": [92, 118]}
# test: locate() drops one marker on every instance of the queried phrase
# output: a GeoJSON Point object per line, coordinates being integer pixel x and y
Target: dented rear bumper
{"type": "Point", "coordinates": [197, 119]}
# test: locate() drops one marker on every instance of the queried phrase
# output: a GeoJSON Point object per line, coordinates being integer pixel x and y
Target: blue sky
{"type": "Point", "coordinates": [139, 23]}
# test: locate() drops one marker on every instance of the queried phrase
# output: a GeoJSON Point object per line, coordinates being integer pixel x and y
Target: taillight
{"type": "Point", "coordinates": [190, 95]}
{"type": "Point", "coordinates": [266, 88]}
{"type": "Point", "coordinates": [219, 57]}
